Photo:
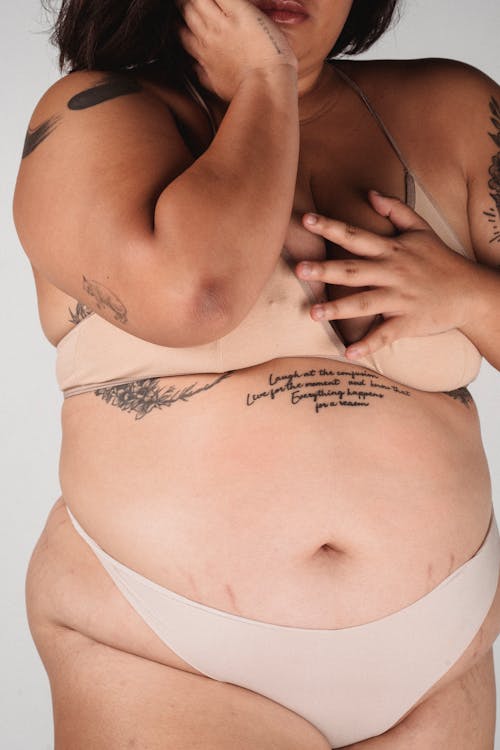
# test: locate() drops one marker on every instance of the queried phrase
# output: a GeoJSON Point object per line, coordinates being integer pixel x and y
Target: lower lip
{"type": "Point", "coordinates": [285, 16]}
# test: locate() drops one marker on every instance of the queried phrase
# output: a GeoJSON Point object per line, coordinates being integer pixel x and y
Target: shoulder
{"type": "Point", "coordinates": [444, 102]}
{"type": "Point", "coordinates": [437, 91]}
{"type": "Point", "coordinates": [83, 88]}
{"type": "Point", "coordinates": [129, 97]}
{"type": "Point", "coordinates": [435, 75]}
{"type": "Point", "coordinates": [447, 115]}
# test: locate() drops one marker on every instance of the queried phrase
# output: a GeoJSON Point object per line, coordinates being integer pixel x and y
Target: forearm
{"type": "Point", "coordinates": [225, 218]}
{"type": "Point", "coordinates": [483, 324]}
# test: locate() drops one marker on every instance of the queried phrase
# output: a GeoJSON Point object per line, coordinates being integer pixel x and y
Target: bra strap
{"type": "Point", "coordinates": [196, 94]}
{"type": "Point", "coordinates": [409, 179]}
{"type": "Point", "coordinates": [408, 176]}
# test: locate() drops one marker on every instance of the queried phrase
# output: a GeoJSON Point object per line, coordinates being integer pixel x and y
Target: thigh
{"type": "Point", "coordinates": [460, 716]}
{"type": "Point", "coordinates": [100, 654]}
{"type": "Point", "coordinates": [107, 699]}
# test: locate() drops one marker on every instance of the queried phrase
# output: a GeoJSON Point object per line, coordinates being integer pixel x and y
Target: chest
{"type": "Point", "coordinates": [338, 189]}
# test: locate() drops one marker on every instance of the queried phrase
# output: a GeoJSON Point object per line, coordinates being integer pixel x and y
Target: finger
{"type": "Point", "coordinates": [202, 6]}
{"type": "Point", "coordinates": [193, 18]}
{"type": "Point", "coordinates": [229, 7]}
{"type": "Point", "coordinates": [402, 216]}
{"type": "Point", "coordinates": [349, 272]}
{"type": "Point", "coordinates": [383, 335]}
{"type": "Point", "coordinates": [189, 42]}
{"type": "Point", "coordinates": [370, 302]}
{"type": "Point", "coordinates": [206, 9]}
{"type": "Point", "coordinates": [356, 240]}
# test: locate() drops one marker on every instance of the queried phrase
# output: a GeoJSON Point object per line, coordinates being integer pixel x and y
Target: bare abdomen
{"type": "Point", "coordinates": [302, 492]}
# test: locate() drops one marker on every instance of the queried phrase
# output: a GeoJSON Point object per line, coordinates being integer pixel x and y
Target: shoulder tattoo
{"type": "Point", "coordinates": [109, 87]}
{"type": "Point", "coordinates": [37, 135]}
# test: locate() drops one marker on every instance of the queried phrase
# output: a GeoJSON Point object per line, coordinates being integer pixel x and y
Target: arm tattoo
{"type": "Point", "coordinates": [493, 214]}
{"type": "Point", "coordinates": [81, 312]}
{"type": "Point", "coordinates": [39, 134]}
{"type": "Point", "coordinates": [462, 395]}
{"type": "Point", "coordinates": [109, 87]}
{"type": "Point", "coordinates": [105, 298]}
{"type": "Point", "coordinates": [142, 396]}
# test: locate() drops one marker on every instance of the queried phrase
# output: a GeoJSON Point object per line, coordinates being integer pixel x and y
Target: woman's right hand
{"type": "Point", "coordinates": [229, 39]}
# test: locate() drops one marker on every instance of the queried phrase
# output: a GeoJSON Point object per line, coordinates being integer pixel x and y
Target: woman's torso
{"type": "Point", "coordinates": [241, 492]}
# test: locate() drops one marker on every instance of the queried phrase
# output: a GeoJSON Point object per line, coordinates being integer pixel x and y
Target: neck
{"type": "Point", "coordinates": [317, 90]}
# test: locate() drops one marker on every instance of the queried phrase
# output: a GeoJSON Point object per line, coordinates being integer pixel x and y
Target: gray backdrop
{"type": "Point", "coordinates": [30, 428]}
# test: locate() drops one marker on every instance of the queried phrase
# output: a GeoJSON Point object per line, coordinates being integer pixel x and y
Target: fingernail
{"type": "Point", "coordinates": [318, 312]}
{"type": "Point", "coordinates": [305, 269]}
{"type": "Point", "coordinates": [311, 218]}
{"type": "Point", "coordinates": [354, 352]}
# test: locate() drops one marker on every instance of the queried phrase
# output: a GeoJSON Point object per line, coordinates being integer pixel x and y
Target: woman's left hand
{"type": "Point", "coordinates": [418, 284]}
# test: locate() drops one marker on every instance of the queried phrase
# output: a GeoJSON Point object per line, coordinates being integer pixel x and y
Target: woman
{"type": "Point", "coordinates": [275, 528]}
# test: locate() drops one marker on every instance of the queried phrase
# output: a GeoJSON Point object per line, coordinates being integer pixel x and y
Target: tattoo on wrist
{"type": "Point", "coordinates": [493, 214]}
{"type": "Point", "coordinates": [264, 26]}
{"type": "Point", "coordinates": [105, 299]}
{"type": "Point", "coordinates": [140, 397]}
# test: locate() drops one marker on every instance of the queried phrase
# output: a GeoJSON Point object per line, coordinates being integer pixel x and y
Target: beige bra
{"type": "Point", "coordinates": [96, 354]}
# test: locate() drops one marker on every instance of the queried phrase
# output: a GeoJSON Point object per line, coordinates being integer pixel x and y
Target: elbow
{"type": "Point", "coordinates": [176, 305]}
{"type": "Point", "coordinates": [200, 318]}
{"type": "Point", "coordinates": [210, 309]}
{"type": "Point", "coordinates": [209, 315]}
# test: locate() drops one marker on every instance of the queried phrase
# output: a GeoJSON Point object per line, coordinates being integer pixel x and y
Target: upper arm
{"type": "Point", "coordinates": [464, 113]}
{"type": "Point", "coordinates": [456, 137]}
{"type": "Point", "coordinates": [481, 149]}
{"type": "Point", "coordinates": [99, 151]}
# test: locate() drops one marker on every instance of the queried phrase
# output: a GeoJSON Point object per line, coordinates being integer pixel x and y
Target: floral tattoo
{"type": "Point", "coordinates": [141, 397]}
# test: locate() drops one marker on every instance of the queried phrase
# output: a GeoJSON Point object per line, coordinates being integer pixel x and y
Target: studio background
{"type": "Point", "coordinates": [30, 403]}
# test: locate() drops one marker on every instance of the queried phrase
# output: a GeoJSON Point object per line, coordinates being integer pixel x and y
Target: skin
{"type": "Point", "coordinates": [493, 214]}
{"type": "Point", "coordinates": [448, 290]}
{"type": "Point", "coordinates": [458, 715]}
{"type": "Point", "coordinates": [444, 284]}
{"type": "Point", "coordinates": [308, 43]}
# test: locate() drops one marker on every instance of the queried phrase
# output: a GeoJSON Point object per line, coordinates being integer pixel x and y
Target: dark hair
{"type": "Point", "coordinates": [131, 34]}
{"type": "Point", "coordinates": [366, 23]}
